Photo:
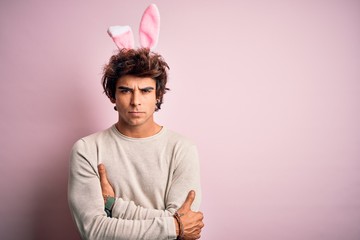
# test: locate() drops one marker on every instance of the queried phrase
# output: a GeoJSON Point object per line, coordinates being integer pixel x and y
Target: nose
{"type": "Point", "coordinates": [135, 99]}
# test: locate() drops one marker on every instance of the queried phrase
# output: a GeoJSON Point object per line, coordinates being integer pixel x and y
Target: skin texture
{"type": "Point", "coordinates": [192, 221]}
{"type": "Point", "coordinates": [135, 100]}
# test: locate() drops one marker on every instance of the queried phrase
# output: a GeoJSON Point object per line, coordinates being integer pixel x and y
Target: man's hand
{"type": "Point", "coordinates": [106, 188]}
{"type": "Point", "coordinates": [192, 221]}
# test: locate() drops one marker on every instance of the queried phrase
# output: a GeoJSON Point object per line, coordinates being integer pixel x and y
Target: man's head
{"type": "Point", "coordinates": [140, 63]}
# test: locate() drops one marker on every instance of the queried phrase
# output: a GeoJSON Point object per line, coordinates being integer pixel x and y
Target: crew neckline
{"type": "Point", "coordinates": [156, 135]}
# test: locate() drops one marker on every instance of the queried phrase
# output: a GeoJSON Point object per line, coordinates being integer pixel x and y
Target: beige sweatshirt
{"type": "Point", "coordinates": [151, 178]}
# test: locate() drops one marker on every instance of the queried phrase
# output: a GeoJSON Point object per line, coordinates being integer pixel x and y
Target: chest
{"type": "Point", "coordinates": [138, 172]}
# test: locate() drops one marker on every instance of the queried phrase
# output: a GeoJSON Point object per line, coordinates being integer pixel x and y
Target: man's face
{"type": "Point", "coordinates": [135, 99]}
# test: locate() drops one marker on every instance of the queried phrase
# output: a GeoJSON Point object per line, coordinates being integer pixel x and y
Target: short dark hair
{"type": "Point", "coordinates": [139, 63]}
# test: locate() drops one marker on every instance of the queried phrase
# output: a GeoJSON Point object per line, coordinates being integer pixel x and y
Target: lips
{"type": "Point", "coordinates": [136, 114]}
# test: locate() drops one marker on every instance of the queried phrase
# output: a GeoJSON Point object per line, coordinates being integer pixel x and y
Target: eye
{"type": "Point", "coordinates": [146, 90]}
{"type": "Point", "coordinates": [124, 91]}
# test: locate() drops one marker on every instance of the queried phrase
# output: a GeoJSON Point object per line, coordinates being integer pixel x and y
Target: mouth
{"type": "Point", "coordinates": [135, 113]}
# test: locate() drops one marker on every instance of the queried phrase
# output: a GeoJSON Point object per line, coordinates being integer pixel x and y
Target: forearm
{"type": "Point", "coordinates": [129, 210]}
{"type": "Point", "coordinates": [102, 227]}
{"type": "Point", "coordinates": [93, 223]}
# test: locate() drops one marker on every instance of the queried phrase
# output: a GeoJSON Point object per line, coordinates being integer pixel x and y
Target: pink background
{"type": "Point", "coordinates": [269, 90]}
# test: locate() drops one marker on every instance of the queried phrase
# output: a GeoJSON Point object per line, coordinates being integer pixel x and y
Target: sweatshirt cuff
{"type": "Point", "coordinates": [171, 228]}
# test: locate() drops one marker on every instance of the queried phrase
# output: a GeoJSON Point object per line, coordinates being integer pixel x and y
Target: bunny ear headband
{"type": "Point", "coordinates": [148, 31]}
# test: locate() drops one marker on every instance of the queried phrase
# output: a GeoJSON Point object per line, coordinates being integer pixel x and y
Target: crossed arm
{"type": "Point", "coordinates": [192, 221]}
{"type": "Point", "coordinates": [129, 221]}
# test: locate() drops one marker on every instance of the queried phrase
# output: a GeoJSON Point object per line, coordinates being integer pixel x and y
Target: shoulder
{"type": "Point", "coordinates": [179, 142]}
{"type": "Point", "coordinates": [184, 151]}
{"type": "Point", "coordinates": [92, 139]}
{"type": "Point", "coordinates": [178, 138]}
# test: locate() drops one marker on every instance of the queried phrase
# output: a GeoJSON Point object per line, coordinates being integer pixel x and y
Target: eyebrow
{"type": "Point", "coordinates": [127, 88]}
{"type": "Point", "coordinates": [124, 88]}
{"type": "Point", "coordinates": [146, 88]}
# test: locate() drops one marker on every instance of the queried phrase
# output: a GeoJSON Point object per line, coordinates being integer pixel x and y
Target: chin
{"type": "Point", "coordinates": [135, 123]}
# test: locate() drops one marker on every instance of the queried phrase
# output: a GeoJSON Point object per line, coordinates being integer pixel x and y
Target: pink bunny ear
{"type": "Point", "coordinates": [122, 36]}
{"type": "Point", "coordinates": [150, 27]}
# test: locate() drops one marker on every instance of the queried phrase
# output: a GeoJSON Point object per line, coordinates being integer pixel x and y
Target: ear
{"type": "Point", "coordinates": [150, 27]}
{"type": "Point", "coordinates": [112, 100]}
{"type": "Point", "coordinates": [122, 36]}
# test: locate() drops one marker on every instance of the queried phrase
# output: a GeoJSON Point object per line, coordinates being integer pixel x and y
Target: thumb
{"type": "Point", "coordinates": [189, 200]}
{"type": "Point", "coordinates": [102, 173]}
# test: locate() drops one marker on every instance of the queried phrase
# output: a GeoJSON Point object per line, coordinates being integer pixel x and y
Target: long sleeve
{"type": "Point", "coordinates": [185, 177]}
{"type": "Point", "coordinates": [129, 210]}
{"type": "Point", "coordinates": [151, 178]}
{"type": "Point", "coordinates": [86, 204]}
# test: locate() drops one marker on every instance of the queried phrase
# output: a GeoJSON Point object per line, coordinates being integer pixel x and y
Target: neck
{"type": "Point", "coordinates": [138, 131]}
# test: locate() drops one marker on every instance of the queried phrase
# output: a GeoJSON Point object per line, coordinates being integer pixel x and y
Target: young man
{"type": "Point", "coordinates": [142, 173]}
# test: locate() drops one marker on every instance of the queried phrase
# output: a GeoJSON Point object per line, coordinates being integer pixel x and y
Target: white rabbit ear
{"type": "Point", "coordinates": [150, 27]}
{"type": "Point", "coordinates": [122, 36]}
